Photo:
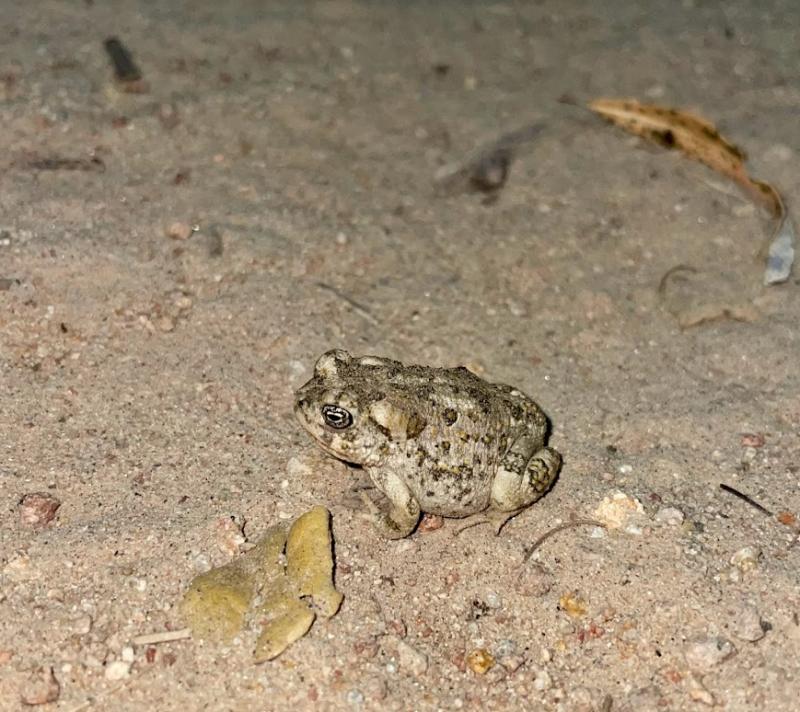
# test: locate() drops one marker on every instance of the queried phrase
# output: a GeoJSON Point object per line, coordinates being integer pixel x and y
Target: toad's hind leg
{"type": "Point", "coordinates": [521, 480]}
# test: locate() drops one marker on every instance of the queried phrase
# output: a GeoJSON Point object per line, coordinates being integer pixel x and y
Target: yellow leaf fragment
{"type": "Point", "coordinates": [572, 605]}
{"type": "Point", "coordinates": [480, 661]}
{"type": "Point", "coordinates": [217, 601]}
{"type": "Point", "coordinates": [309, 563]}
{"type": "Point", "coordinates": [285, 619]}
{"type": "Point", "coordinates": [267, 588]}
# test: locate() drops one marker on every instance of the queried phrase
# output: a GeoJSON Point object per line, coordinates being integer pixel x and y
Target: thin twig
{"type": "Point", "coordinates": [566, 525]}
{"type": "Point", "coordinates": [125, 69]}
{"type": "Point", "coordinates": [166, 636]}
{"type": "Point", "coordinates": [745, 498]}
{"type": "Point", "coordinates": [359, 309]}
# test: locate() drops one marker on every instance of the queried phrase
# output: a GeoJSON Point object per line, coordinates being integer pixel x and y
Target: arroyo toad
{"type": "Point", "coordinates": [437, 440]}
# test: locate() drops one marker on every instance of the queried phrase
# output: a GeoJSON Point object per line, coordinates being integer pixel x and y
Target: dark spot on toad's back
{"type": "Point", "coordinates": [415, 426]}
{"type": "Point", "coordinates": [449, 416]}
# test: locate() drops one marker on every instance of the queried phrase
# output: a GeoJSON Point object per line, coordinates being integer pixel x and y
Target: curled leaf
{"type": "Point", "coordinates": [700, 140]}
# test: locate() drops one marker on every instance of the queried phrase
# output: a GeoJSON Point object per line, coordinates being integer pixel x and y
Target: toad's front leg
{"type": "Point", "coordinates": [403, 516]}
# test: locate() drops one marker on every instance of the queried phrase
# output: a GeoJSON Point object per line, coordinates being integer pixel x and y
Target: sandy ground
{"type": "Point", "coordinates": [147, 380]}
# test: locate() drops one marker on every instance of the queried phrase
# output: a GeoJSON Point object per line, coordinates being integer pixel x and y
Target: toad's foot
{"type": "Point", "coordinates": [496, 519]}
{"type": "Point", "coordinates": [398, 523]}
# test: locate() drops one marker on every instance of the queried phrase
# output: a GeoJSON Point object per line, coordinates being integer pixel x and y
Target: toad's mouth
{"type": "Point", "coordinates": [333, 453]}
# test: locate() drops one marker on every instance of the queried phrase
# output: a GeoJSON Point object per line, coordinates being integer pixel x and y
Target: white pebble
{"type": "Point", "coordinates": [505, 648]}
{"type": "Point", "coordinates": [542, 681]}
{"type": "Point", "coordinates": [746, 559]}
{"type": "Point", "coordinates": [702, 655]}
{"type": "Point", "coordinates": [408, 657]}
{"type": "Point", "coordinates": [747, 625]}
{"type": "Point", "coordinates": [296, 468]}
{"type": "Point", "coordinates": [620, 511]}
{"type": "Point", "coordinates": [82, 625]}
{"type": "Point", "coordinates": [670, 515]}
{"type": "Point", "coordinates": [493, 600]}
{"type": "Point", "coordinates": [117, 670]}
{"type": "Point", "coordinates": [355, 697]}
{"type": "Point", "coordinates": [127, 654]}
{"type": "Point", "coordinates": [404, 546]}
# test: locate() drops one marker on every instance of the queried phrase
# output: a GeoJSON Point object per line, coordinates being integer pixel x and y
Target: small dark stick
{"type": "Point", "coordinates": [561, 527]}
{"type": "Point", "coordinates": [125, 69]}
{"type": "Point", "coordinates": [745, 498]}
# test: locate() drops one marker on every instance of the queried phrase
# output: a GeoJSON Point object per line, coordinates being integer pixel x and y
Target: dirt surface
{"type": "Point", "coordinates": [174, 259]}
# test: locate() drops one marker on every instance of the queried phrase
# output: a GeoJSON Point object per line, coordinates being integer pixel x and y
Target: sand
{"type": "Point", "coordinates": [175, 253]}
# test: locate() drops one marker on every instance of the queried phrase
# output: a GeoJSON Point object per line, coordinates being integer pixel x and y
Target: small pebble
{"type": "Point", "coordinates": [183, 303]}
{"type": "Point", "coordinates": [127, 654]}
{"type": "Point", "coordinates": [397, 626]}
{"type": "Point", "coordinates": [506, 648]}
{"type": "Point", "coordinates": [620, 510]}
{"type": "Point", "coordinates": [512, 663]}
{"type": "Point", "coordinates": [297, 468]}
{"type": "Point", "coordinates": [670, 515]}
{"type": "Point", "coordinates": [755, 440]}
{"type": "Point", "coordinates": [480, 661]}
{"type": "Point", "coordinates": [408, 658]}
{"type": "Point", "coordinates": [41, 688]}
{"type": "Point", "coordinates": [37, 509]}
{"type": "Point", "coordinates": [542, 681]}
{"type": "Point", "coordinates": [168, 116]}
{"type": "Point", "coordinates": [228, 534]}
{"type": "Point", "coordinates": [516, 308]}
{"type": "Point", "coordinates": [179, 231]}
{"type": "Point", "coordinates": [747, 624]}
{"type": "Point", "coordinates": [430, 523]}
{"type": "Point", "coordinates": [702, 655]}
{"type": "Point", "coordinates": [117, 670]}
{"type": "Point", "coordinates": [82, 625]}
{"type": "Point", "coordinates": [375, 688]}
{"type": "Point", "coordinates": [493, 600]}
{"type": "Point", "coordinates": [746, 559]}
{"type": "Point", "coordinates": [355, 697]}
{"type": "Point", "coordinates": [698, 693]}
{"type": "Point", "coordinates": [404, 546]}
{"type": "Point", "coordinates": [572, 605]}
{"type": "Point", "coordinates": [165, 324]}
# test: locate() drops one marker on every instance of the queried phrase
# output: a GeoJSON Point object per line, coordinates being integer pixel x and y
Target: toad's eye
{"type": "Point", "coordinates": [337, 417]}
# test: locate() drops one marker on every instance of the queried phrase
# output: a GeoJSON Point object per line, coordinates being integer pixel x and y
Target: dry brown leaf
{"type": "Point", "coordinates": [695, 136]}
{"type": "Point", "coordinates": [699, 139]}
